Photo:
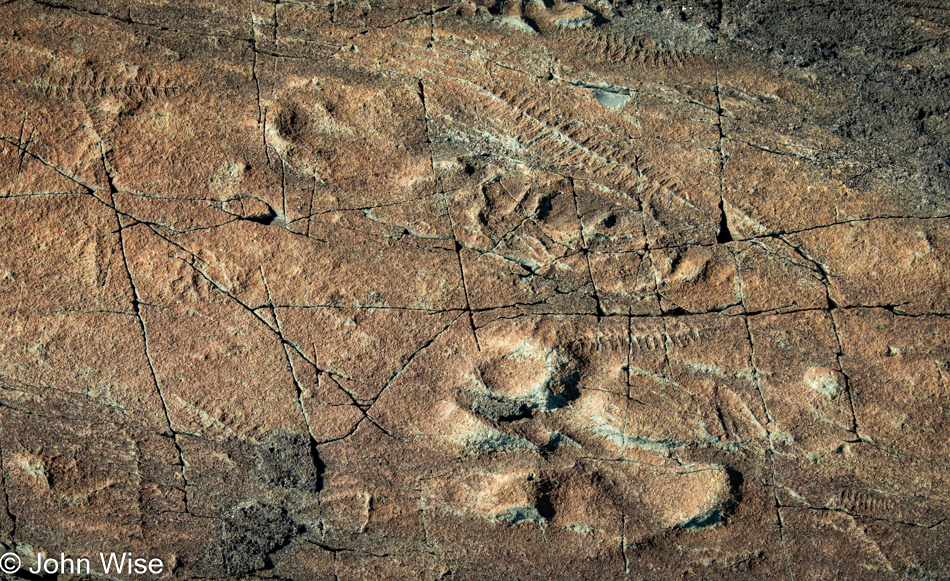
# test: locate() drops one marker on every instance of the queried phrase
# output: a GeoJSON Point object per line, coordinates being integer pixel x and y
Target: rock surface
{"type": "Point", "coordinates": [477, 290]}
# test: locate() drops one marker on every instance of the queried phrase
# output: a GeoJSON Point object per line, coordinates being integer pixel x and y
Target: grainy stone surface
{"type": "Point", "coordinates": [477, 290]}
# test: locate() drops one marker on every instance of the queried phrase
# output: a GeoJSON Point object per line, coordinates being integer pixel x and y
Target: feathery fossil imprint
{"type": "Point", "coordinates": [618, 48]}
{"type": "Point", "coordinates": [90, 84]}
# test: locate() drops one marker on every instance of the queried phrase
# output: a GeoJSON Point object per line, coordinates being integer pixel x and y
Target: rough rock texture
{"type": "Point", "coordinates": [477, 289]}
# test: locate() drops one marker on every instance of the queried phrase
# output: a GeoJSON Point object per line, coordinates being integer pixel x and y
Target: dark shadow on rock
{"type": "Point", "coordinates": [544, 504]}
{"type": "Point", "coordinates": [564, 390]}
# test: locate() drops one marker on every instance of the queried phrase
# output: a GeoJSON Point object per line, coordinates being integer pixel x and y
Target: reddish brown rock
{"type": "Point", "coordinates": [476, 290]}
